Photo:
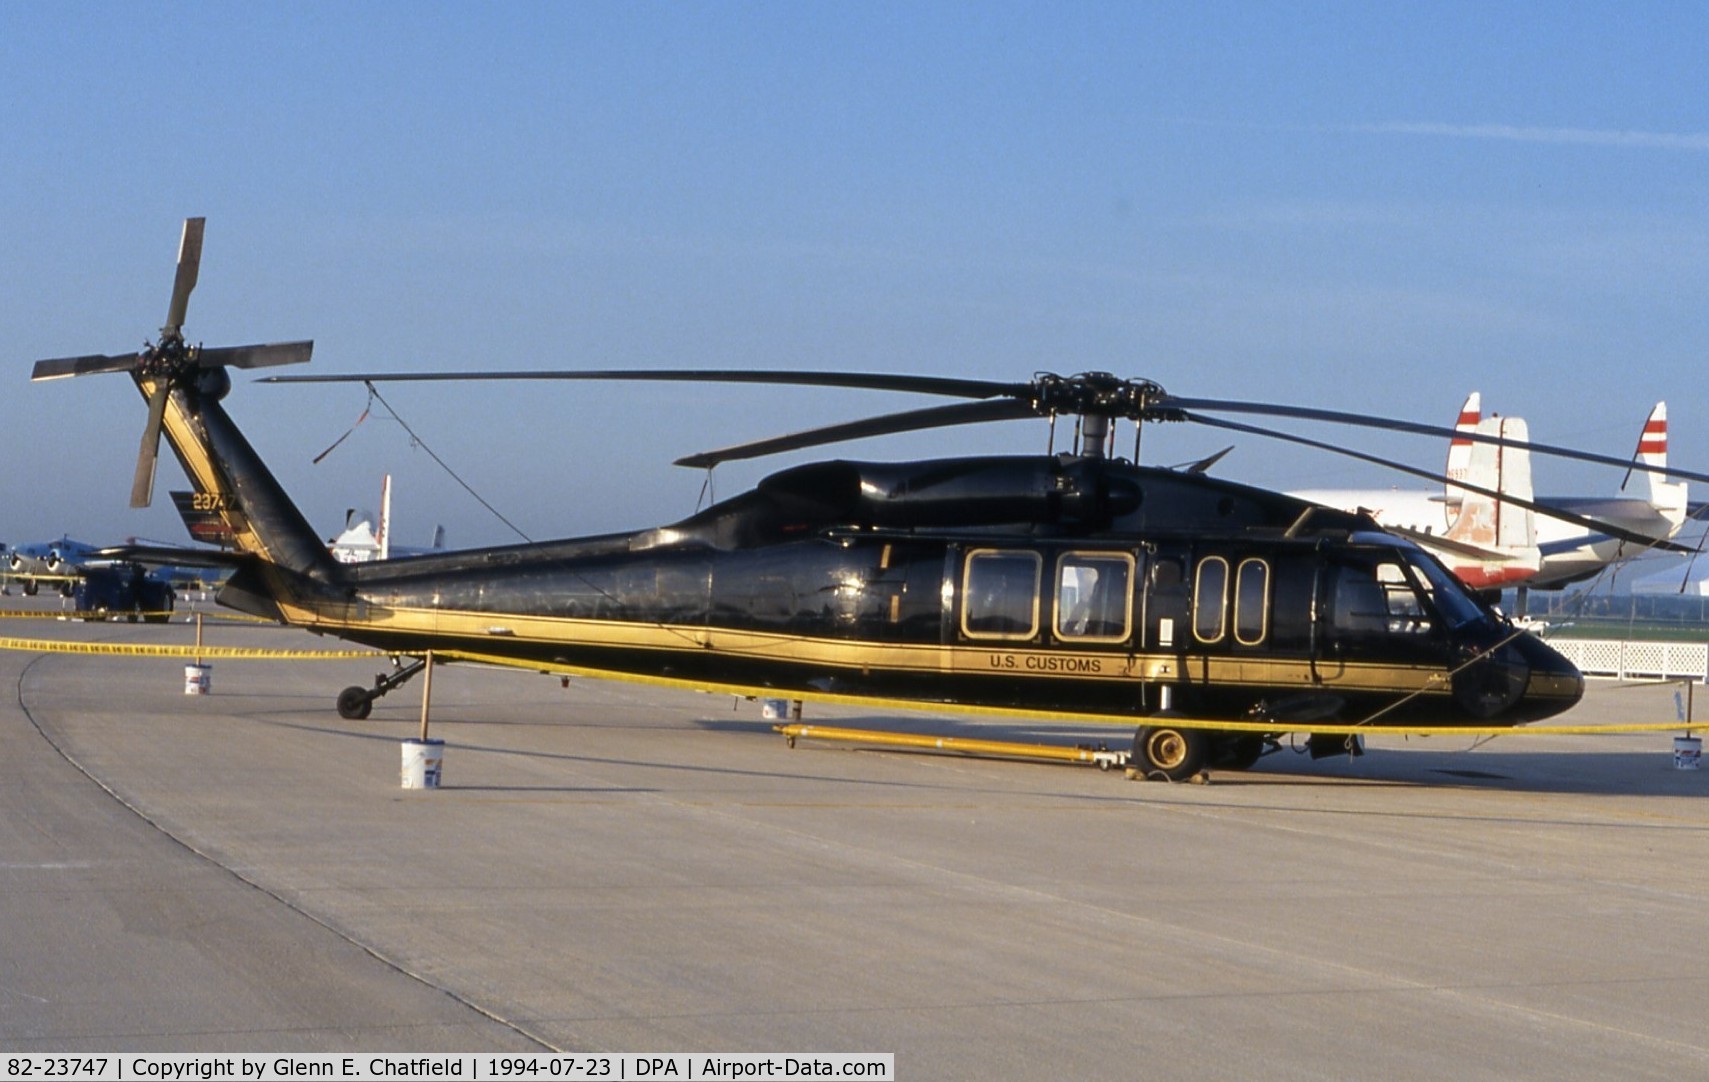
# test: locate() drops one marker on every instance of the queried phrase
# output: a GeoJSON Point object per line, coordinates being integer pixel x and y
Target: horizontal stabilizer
{"type": "Point", "coordinates": [170, 556]}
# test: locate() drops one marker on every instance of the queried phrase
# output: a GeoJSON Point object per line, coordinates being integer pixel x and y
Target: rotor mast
{"type": "Point", "coordinates": [1094, 432]}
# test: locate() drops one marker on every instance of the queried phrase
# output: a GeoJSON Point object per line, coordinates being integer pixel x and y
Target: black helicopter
{"type": "Point", "coordinates": [1216, 617]}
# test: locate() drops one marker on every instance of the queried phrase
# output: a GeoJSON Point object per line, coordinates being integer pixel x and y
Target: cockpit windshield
{"type": "Point", "coordinates": [1450, 599]}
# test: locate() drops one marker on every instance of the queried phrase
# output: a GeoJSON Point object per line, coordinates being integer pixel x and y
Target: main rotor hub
{"type": "Point", "coordinates": [1102, 394]}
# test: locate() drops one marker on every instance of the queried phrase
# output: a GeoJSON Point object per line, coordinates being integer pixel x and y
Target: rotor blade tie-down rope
{"type": "Point", "coordinates": [366, 409]}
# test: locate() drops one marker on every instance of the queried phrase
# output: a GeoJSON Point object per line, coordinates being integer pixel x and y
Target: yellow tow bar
{"type": "Point", "coordinates": [1102, 757]}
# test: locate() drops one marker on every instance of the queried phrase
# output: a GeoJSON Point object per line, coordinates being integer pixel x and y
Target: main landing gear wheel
{"type": "Point", "coordinates": [1166, 751]}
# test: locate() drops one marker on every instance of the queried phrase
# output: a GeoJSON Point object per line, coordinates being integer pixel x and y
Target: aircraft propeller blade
{"type": "Point", "coordinates": [142, 487]}
{"type": "Point", "coordinates": [189, 264]}
{"type": "Point", "coordinates": [962, 413]}
{"type": "Point", "coordinates": [1592, 524]}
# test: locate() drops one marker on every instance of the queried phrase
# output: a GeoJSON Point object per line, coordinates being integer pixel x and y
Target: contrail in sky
{"type": "Point", "coordinates": [1574, 136]}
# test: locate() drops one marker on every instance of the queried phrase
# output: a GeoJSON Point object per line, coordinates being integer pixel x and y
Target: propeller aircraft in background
{"type": "Point", "coordinates": [100, 582]}
{"type": "Point", "coordinates": [1521, 540]}
{"type": "Point", "coordinates": [368, 537]}
{"type": "Point", "coordinates": [56, 562]}
{"type": "Point", "coordinates": [1488, 541]}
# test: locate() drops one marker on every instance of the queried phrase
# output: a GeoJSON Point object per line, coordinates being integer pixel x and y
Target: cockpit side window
{"type": "Point", "coordinates": [1378, 595]}
{"type": "Point", "coordinates": [1405, 608]}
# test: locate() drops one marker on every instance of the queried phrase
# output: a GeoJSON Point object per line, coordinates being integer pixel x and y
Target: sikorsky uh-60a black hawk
{"type": "Point", "coordinates": [1215, 617]}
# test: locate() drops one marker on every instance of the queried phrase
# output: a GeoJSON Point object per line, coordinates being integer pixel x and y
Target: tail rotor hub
{"type": "Point", "coordinates": [174, 363]}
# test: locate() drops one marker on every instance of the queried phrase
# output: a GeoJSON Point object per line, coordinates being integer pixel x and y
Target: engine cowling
{"type": "Point", "coordinates": [955, 492]}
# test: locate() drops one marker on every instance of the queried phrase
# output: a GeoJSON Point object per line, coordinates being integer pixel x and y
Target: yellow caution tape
{"type": "Point", "coordinates": [76, 614]}
{"type": "Point", "coordinates": [239, 653]}
{"type": "Point", "coordinates": [121, 615]}
{"type": "Point", "coordinates": [969, 745]}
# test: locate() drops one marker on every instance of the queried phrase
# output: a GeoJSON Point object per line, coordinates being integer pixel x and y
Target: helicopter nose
{"type": "Point", "coordinates": [1555, 684]}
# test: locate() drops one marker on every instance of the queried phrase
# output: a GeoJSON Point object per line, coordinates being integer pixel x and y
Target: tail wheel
{"type": "Point", "coordinates": [355, 704]}
{"type": "Point", "coordinates": [1174, 753]}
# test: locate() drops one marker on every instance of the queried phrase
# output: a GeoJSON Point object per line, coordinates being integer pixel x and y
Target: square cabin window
{"type": "Point", "coordinates": [1094, 599]}
{"type": "Point", "coordinates": [1000, 594]}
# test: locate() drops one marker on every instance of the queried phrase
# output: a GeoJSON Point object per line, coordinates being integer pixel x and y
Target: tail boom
{"type": "Point", "coordinates": [292, 576]}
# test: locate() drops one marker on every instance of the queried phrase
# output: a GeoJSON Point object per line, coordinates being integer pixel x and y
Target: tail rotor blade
{"type": "Point", "coordinates": [256, 356]}
{"type": "Point", "coordinates": [142, 488]}
{"type": "Point", "coordinates": [189, 264]}
{"type": "Point", "coordinates": [61, 367]}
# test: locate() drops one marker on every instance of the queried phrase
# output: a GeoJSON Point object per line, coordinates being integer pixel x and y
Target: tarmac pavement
{"type": "Point", "coordinates": [617, 867]}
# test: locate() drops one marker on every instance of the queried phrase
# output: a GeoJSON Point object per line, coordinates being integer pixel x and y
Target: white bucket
{"type": "Point", "coordinates": [1687, 750]}
{"type": "Point", "coordinates": [423, 762]}
{"type": "Point", "coordinates": [198, 679]}
{"type": "Point", "coordinates": [774, 709]}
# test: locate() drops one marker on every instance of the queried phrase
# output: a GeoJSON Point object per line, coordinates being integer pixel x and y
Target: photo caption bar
{"type": "Point", "coordinates": [464, 1067]}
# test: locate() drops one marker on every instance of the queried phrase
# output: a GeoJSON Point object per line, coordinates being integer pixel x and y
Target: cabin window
{"type": "Point", "coordinates": [1251, 602]}
{"type": "Point", "coordinates": [1210, 599]}
{"type": "Point", "coordinates": [1094, 602]}
{"type": "Point", "coordinates": [1001, 594]}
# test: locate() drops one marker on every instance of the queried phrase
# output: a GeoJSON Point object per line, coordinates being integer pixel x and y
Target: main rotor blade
{"type": "Point", "coordinates": [261, 356]}
{"type": "Point", "coordinates": [189, 263]}
{"type": "Point", "coordinates": [1594, 525]}
{"type": "Point", "coordinates": [871, 381]}
{"type": "Point", "coordinates": [963, 413]}
{"type": "Point", "coordinates": [1361, 420]}
{"type": "Point", "coordinates": [142, 487]}
{"type": "Point", "coordinates": [87, 365]}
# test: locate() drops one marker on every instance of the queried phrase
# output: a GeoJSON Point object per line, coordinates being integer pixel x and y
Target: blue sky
{"type": "Point", "coordinates": [1357, 206]}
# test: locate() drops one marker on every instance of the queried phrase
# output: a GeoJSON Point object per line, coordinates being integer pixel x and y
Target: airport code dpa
{"type": "Point", "coordinates": [373, 1067]}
